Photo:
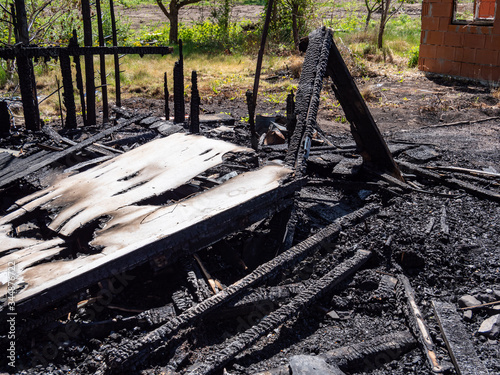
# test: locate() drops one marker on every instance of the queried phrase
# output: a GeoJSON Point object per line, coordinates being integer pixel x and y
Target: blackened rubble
{"type": "Point", "coordinates": [372, 254]}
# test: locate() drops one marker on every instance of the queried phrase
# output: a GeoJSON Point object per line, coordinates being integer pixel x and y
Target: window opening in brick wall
{"type": "Point", "coordinates": [474, 11]}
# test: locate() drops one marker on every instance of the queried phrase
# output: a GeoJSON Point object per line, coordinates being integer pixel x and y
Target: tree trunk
{"type": "Point", "coordinates": [295, 26]}
{"type": "Point", "coordinates": [174, 22]}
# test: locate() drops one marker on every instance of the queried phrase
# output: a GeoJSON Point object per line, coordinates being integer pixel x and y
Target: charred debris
{"type": "Point", "coordinates": [157, 244]}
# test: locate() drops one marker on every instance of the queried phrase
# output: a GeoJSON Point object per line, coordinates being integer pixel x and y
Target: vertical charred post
{"type": "Point", "coordinates": [291, 119]}
{"type": "Point", "coordinates": [89, 63]}
{"type": "Point", "coordinates": [79, 79]}
{"type": "Point", "coordinates": [115, 55]}
{"type": "Point", "coordinates": [167, 94]}
{"type": "Point", "coordinates": [194, 118]}
{"type": "Point", "coordinates": [68, 96]}
{"type": "Point", "coordinates": [4, 119]}
{"type": "Point", "coordinates": [179, 106]}
{"type": "Point", "coordinates": [251, 120]}
{"type": "Point", "coordinates": [25, 69]}
{"type": "Point", "coordinates": [102, 64]}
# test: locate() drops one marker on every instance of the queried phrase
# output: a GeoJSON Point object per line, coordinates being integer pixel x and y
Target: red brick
{"type": "Point", "coordinates": [431, 65]}
{"type": "Point", "coordinates": [449, 67]}
{"type": "Point", "coordinates": [453, 39]}
{"type": "Point", "coordinates": [435, 37]}
{"type": "Point", "coordinates": [491, 74]}
{"type": "Point", "coordinates": [441, 9]}
{"type": "Point", "coordinates": [446, 53]}
{"type": "Point", "coordinates": [492, 42]}
{"type": "Point", "coordinates": [430, 23]}
{"type": "Point", "coordinates": [470, 70]}
{"type": "Point", "coordinates": [459, 54]}
{"type": "Point", "coordinates": [474, 40]}
{"type": "Point", "coordinates": [444, 22]}
{"type": "Point", "coordinates": [469, 55]}
{"type": "Point", "coordinates": [425, 9]}
{"type": "Point", "coordinates": [486, 57]}
{"type": "Point", "coordinates": [427, 51]}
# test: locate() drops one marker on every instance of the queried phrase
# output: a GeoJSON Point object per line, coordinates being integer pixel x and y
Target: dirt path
{"type": "Point", "coordinates": [150, 15]}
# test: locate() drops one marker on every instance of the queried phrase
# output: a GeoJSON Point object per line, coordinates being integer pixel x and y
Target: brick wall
{"type": "Point", "coordinates": [471, 51]}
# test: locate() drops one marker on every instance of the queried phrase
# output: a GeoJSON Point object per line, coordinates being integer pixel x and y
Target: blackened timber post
{"type": "Point", "coordinates": [115, 56]}
{"type": "Point", "coordinates": [89, 63]}
{"type": "Point", "coordinates": [179, 106]}
{"type": "Point", "coordinates": [79, 79]}
{"type": "Point", "coordinates": [194, 118]}
{"type": "Point", "coordinates": [60, 102]}
{"type": "Point", "coordinates": [25, 70]}
{"type": "Point", "coordinates": [291, 118]}
{"type": "Point", "coordinates": [167, 94]}
{"type": "Point", "coordinates": [102, 61]}
{"type": "Point", "coordinates": [4, 118]}
{"type": "Point", "coordinates": [68, 95]}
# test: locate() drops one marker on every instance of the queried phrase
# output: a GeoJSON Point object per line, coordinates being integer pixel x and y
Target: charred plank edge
{"type": "Point", "coordinates": [220, 356]}
{"type": "Point", "coordinates": [59, 155]}
{"type": "Point", "coordinates": [134, 352]}
{"type": "Point", "coordinates": [418, 326]}
{"type": "Point", "coordinates": [460, 348]}
{"type": "Point", "coordinates": [452, 182]}
{"type": "Point", "coordinates": [204, 233]}
{"type": "Point", "coordinates": [365, 354]}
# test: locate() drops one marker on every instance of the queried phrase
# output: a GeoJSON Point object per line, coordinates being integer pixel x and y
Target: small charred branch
{"type": "Point", "coordinates": [291, 118]}
{"type": "Point", "coordinates": [194, 118]}
{"type": "Point", "coordinates": [370, 142]}
{"type": "Point", "coordinates": [451, 182]}
{"type": "Point", "coordinates": [179, 109]}
{"type": "Point", "coordinates": [89, 63]}
{"type": "Point", "coordinates": [457, 339]}
{"type": "Point", "coordinates": [5, 120]}
{"type": "Point", "coordinates": [115, 55]}
{"type": "Point", "coordinates": [132, 353]}
{"type": "Point", "coordinates": [220, 355]}
{"type": "Point", "coordinates": [79, 78]}
{"type": "Point", "coordinates": [69, 98]}
{"type": "Point", "coordinates": [308, 97]}
{"type": "Point", "coordinates": [196, 281]}
{"type": "Point", "coordinates": [102, 64]}
{"type": "Point", "coordinates": [167, 94]}
{"type": "Point", "coordinates": [417, 324]}
{"type": "Point", "coordinates": [52, 157]}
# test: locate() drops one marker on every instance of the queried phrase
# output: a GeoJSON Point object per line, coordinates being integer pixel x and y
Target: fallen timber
{"type": "Point", "coordinates": [179, 227]}
{"type": "Point", "coordinates": [132, 353]}
{"type": "Point", "coordinates": [222, 354]}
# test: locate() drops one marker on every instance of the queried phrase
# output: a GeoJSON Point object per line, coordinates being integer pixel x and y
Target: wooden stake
{"type": "Point", "coordinates": [116, 58]}
{"type": "Point", "coordinates": [102, 61]}
{"type": "Point", "coordinates": [89, 63]}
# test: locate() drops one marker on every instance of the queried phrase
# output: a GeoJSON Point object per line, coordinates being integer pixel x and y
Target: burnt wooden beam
{"type": "Point", "coordinates": [53, 52]}
{"type": "Point", "coordinates": [73, 43]}
{"type": "Point", "coordinates": [25, 69]}
{"type": "Point", "coordinates": [5, 120]}
{"type": "Point", "coordinates": [166, 94]}
{"type": "Point", "coordinates": [69, 98]}
{"type": "Point", "coordinates": [89, 63]}
{"type": "Point", "coordinates": [194, 118]}
{"type": "Point", "coordinates": [458, 340]}
{"type": "Point", "coordinates": [52, 157]}
{"type": "Point", "coordinates": [134, 352]}
{"type": "Point", "coordinates": [219, 355]}
{"type": "Point", "coordinates": [179, 106]}
{"type": "Point", "coordinates": [102, 65]}
{"type": "Point", "coordinates": [116, 59]}
{"type": "Point", "coordinates": [367, 136]}
{"type": "Point", "coordinates": [418, 326]}
{"type": "Point", "coordinates": [308, 97]}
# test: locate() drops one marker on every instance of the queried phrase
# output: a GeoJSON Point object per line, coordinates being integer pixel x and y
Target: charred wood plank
{"type": "Point", "coordinates": [89, 63]}
{"type": "Point", "coordinates": [194, 118]}
{"type": "Point", "coordinates": [179, 108]}
{"type": "Point", "coordinates": [116, 59]}
{"type": "Point", "coordinates": [457, 339]}
{"type": "Point", "coordinates": [364, 356]}
{"type": "Point", "coordinates": [308, 97]}
{"type": "Point", "coordinates": [134, 352]}
{"type": "Point", "coordinates": [220, 355]}
{"type": "Point", "coordinates": [363, 127]}
{"type": "Point", "coordinates": [5, 120]}
{"type": "Point", "coordinates": [69, 98]}
{"type": "Point", "coordinates": [418, 326]}
{"type": "Point", "coordinates": [79, 79]}
{"type": "Point", "coordinates": [166, 94]}
{"type": "Point", "coordinates": [59, 155]}
{"type": "Point", "coordinates": [102, 65]}
{"type": "Point", "coordinates": [18, 164]}
{"type": "Point", "coordinates": [450, 182]}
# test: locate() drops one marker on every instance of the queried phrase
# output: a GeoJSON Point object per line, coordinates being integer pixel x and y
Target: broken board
{"type": "Point", "coordinates": [133, 233]}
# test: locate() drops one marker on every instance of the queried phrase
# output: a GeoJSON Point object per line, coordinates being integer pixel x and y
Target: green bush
{"type": "Point", "coordinates": [413, 57]}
